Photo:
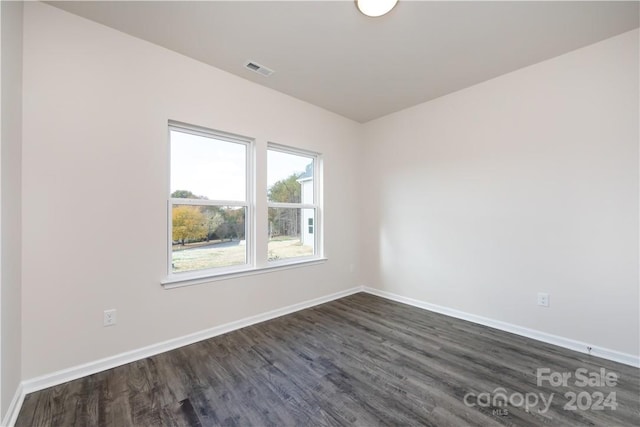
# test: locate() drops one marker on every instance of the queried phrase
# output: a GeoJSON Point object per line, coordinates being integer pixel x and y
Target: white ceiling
{"type": "Point", "coordinates": [327, 53]}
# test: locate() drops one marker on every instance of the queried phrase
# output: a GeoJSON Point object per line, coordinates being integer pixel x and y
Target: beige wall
{"type": "Point", "coordinates": [475, 201]}
{"type": "Point", "coordinates": [10, 195]}
{"type": "Point", "coordinates": [524, 183]}
{"type": "Point", "coordinates": [96, 106]}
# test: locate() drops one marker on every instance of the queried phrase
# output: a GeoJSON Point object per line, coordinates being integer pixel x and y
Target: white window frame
{"type": "Point", "coordinates": [247, 204]}
{"type": "Point", "coordinates": [316, 205]}
{"type": "Point", "coordinates": [256, 240]}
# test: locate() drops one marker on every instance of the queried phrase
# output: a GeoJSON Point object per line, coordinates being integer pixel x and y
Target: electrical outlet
{"type": "Point", "coordinates": [109, 317]}
{"type": "Point", "coordinates": [543, 299]}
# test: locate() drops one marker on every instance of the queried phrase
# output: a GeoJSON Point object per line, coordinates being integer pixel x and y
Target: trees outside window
{"type": "Point", "coordinates": [211, 200]}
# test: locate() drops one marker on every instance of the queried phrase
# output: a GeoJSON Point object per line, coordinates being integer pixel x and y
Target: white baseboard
{"type": "Point", "coordinates": [70, 374]}
{"type": "Point", "coordinates": [14, 407]}
{"type": "Point", "coordinates": [582, 347]}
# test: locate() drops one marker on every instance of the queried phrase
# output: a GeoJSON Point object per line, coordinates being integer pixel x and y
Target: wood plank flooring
{"type": "Point", "coordinates": [360, 360]}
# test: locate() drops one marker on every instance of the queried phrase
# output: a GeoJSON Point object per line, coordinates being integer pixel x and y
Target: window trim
{"type": "Point", "coordinates": [179, 282]}
{"type": "Point", "coordinates": [248, 204]}
{"type": "Point", "coordinates": [253, 264]}
{"type": "Point", "coordinates": [318, 252]}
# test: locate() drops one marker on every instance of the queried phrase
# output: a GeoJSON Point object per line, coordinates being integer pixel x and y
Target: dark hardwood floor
{"type": "Point", "coordinates": [360, 360]}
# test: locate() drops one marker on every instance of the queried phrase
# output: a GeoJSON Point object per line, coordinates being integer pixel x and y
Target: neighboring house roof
{"type": "Point", "coordinates": [307, 175]}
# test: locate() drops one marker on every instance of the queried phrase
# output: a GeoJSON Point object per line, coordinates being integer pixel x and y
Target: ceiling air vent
{"type": "Point", "coordinates": [257, 68]}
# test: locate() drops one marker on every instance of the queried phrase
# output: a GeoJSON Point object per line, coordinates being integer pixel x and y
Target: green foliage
{"type": "Point", "coordinates": [214, 218]}
{"type": "Point", "coordinates": [235, 221]}
{"type": "Point", "coordinates": [286, 190]}
{"type": "Point", "coordinates": [284, 221]}
{"type": "Point", "coordinates": [185, 194]}
{"type": "Point", "coordinates": [200, 223]}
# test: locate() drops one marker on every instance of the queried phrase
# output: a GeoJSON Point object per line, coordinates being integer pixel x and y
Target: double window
{"type": "Point", "coordinates": [216, 223]}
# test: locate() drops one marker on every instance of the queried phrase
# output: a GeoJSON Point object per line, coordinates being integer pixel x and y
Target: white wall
{"type": "Point", "coordinates": [10, 200]}
{"type": "Point", "coordinates": [474, 201]}
{"type": "Point", "coordinates": [524, 183]}
{"type": "Point", "coordinates": [95, 173]}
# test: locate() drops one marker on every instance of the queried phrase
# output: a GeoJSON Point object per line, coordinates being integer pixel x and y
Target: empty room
{"type": "Point", "coordinates": [320, 213]}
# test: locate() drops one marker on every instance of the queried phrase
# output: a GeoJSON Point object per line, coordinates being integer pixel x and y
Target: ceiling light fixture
{"type": "Point", "coordinates": [375, 8]}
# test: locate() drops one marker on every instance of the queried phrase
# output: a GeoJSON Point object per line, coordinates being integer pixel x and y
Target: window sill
{"type": "Point", "coordinates": [179, 282]}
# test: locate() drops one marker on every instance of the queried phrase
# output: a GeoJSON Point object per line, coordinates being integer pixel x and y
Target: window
{"type": "Point", "coordinates": [292, 203]}
{"type": "Point", "coordinates": [209, 200]}
{"type": "Point", "coordinates": [212, 226]}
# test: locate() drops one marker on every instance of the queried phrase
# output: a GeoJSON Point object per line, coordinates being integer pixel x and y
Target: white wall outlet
{"type": "Point", "coordinates": [109, 317]}
{"type": "Point", "coordinates": [543, 299]}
